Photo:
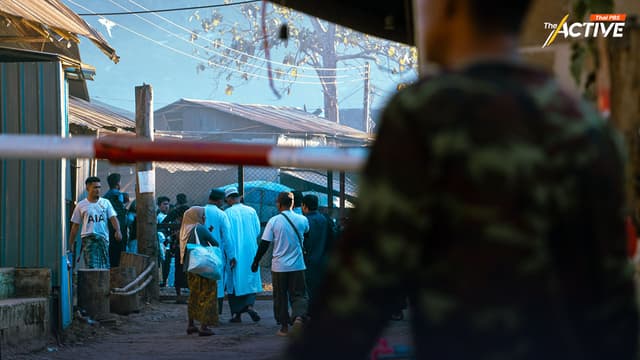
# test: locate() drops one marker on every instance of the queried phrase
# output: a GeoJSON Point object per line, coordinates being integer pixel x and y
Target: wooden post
{"type": "Point", "coordinates": [145, 188]}
{"type": "Point", "coordinates": [138, 262]}
{"type": "Point", "coordinates": [93, 292]}
{"type": "Point", "coordinates": [625, 104]}
{"type": "Point", "coordinates": [123, 305]}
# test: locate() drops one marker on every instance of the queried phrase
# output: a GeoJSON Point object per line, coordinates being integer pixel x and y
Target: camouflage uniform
{"type": "Point", "coordinates": [494, 201]}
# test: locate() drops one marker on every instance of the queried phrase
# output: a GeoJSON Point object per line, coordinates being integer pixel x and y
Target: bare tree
{"type": "Point", "coordinates": [314, 51]}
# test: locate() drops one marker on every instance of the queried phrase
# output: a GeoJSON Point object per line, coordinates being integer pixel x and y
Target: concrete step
{"type": "Point", "coordinates": [24, 322]}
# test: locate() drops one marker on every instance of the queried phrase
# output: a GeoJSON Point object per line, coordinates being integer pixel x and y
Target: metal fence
{"type": "Point", "coordinates": [258, 185]}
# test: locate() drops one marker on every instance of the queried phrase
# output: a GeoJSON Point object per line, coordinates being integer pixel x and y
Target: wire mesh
{"type": "Point", "coordinates": [259, 187]}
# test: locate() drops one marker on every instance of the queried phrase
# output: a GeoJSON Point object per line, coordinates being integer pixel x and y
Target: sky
{"type": "Point", "coordinates": [158, 52]}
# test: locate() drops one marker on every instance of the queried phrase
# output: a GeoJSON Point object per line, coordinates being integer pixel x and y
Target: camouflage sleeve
{"type": "Point", "coordinates": [369, 270]}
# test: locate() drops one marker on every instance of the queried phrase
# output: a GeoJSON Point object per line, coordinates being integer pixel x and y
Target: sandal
{"type": "Point", "coordinates": [236, 319]}
{"type": "Point", "coordinates": [254, 315]}
{"type": "Point", "coordinates": [191, 330]}
{"type": "Point", "coordinates": [205, 332]}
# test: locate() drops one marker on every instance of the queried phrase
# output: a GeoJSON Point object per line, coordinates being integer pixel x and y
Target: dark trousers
{"type": "Point", "coordinates": [289, 288]}
{"type": "Point", "coordinates": [115, 249]}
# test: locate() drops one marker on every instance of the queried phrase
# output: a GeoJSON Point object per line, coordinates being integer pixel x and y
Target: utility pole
{"type": "Point", "coordinates": [241, 180]}
{"type": "Point", "coordinates": [330, 191]}
{"type": "Point", "coordinates": [343, 193]}
{"type": "Point", "coordinates": [366, 105]}
{"type": "Point", "coordinates": [145, 188]}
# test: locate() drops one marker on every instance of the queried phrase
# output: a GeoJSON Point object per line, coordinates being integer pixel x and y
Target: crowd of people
{"type": "Point", "coordinates": [492, 199]}
{"type": "Point", "coordinates": [300, 237]}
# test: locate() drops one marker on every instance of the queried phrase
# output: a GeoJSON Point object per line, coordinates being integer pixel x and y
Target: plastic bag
{"type": "Point", "coordinates": [204, 261]}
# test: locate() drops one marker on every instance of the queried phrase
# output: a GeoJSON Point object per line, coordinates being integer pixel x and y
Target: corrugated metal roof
{"type": "Point", "coordinates": [54, 14]}
{"type": "Point", "coordinates": [281, 117]}
{"type": "Point", "coordinates": [96, 117]}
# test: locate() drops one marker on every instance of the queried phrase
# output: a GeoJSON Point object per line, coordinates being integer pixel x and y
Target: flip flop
{"type": "Point", "coordinates": [205, 332]}
{"type": "Point", "coordinates": [254, 315]}
{"type": "Point", "coordinates": [280, 333]}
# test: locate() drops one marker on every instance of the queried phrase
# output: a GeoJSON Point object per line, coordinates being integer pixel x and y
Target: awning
{"type": "Point", "coordinates": [85, 117]}
{"type": "Point", "coordinates": [40, 16]}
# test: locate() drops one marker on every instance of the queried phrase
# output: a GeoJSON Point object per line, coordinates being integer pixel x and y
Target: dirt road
{"type": "Point", "coordinates": [158, 332]}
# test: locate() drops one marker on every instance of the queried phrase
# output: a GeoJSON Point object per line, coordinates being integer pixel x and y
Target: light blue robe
{"type": "Point", "coordinates": [243, 235]}
{"type": "Point", "coordinates": [217, 222]}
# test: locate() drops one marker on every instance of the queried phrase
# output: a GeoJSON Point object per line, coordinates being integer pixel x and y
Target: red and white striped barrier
{"type": "Point", "coordinates": [129, 149]}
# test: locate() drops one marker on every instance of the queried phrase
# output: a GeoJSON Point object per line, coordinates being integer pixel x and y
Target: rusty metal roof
{"type": "Point", "coordinates": [289, 119]}
{"type": "Point", "coordinates": [93, 118]}
{"type": "Point", "coordinates": [58, 17]}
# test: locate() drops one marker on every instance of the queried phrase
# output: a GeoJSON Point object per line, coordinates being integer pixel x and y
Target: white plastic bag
{"type": "Point", "coordinates": [204, 260]}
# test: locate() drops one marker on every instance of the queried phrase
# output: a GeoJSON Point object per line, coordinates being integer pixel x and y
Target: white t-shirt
{"type": "Point", "coordinates": [93, 217]}
{"type": "Point", "coordinates": [287, 251]}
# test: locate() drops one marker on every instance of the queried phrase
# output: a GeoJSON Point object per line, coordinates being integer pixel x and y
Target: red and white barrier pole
{"type": "Point", "coordinates": [129, 149]}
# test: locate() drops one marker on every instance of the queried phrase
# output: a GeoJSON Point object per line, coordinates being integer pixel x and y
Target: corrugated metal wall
{"type": "Point", "coordinates": [32, 192]}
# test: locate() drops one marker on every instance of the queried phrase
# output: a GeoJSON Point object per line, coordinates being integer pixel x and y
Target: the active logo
{"type": "Point", "coordinates": [600, 25]}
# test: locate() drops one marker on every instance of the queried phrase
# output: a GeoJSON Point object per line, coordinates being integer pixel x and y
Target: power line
{"type": "Point", "coordinates": [221, 54]}
{"type": "Point", "coordinates": [170, 10]}
{"type": "Point", "coordinates": [212, 63]}
{"type": "Point", "coordinates": [350, 95]}
{"type": "Point", "coordinates": [246, 54]}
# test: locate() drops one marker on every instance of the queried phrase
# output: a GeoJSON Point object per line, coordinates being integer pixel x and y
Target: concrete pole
{"type": "Point", "coordinates": [367, 100]}
{"type": "Point", "coordinates": [145, 189]}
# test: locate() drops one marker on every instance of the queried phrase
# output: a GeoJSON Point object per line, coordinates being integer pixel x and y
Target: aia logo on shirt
{"type": "Point", "coordinates": [96, 218]}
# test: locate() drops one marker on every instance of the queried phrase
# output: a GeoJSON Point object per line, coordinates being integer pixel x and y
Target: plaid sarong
{"type": "Point", "coordinates": [96, 252]}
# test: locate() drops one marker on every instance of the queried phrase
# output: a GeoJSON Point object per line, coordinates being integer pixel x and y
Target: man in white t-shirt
{"type": "Point", "coordinates": [286, 230]}
{"type": "Point", "coordinates": [93, 213]}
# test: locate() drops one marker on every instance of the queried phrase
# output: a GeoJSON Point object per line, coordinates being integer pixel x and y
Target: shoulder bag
{"type": "Point", "coordinates": [304, 251]}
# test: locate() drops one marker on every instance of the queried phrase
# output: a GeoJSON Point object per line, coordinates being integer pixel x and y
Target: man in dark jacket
{"type": "Point", "coordinates": [117, 200]}
{"type": "Point", "coordinates": [316, 242]}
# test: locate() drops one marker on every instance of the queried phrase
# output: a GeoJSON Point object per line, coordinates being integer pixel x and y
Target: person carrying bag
{"type": "Point", "coordinates": [202, 266]}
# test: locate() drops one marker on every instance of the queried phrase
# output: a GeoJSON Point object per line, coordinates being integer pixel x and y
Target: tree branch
{"type": "Point", "coordinates": [317, 25]}
{"type": "Point", "coordinates": [314, 61]}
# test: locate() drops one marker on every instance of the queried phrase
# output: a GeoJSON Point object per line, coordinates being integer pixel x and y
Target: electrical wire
{"type": "Point", "coordinates": [221, 54]}
{"type": "Point", "coordinates": [214, 64]}
{"type": "Point", "coordinates": [170, 10]}
{"type": "Point", "coordinates": [361, 88]}
{"type": "Point", "coordinates": [249, 55]}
